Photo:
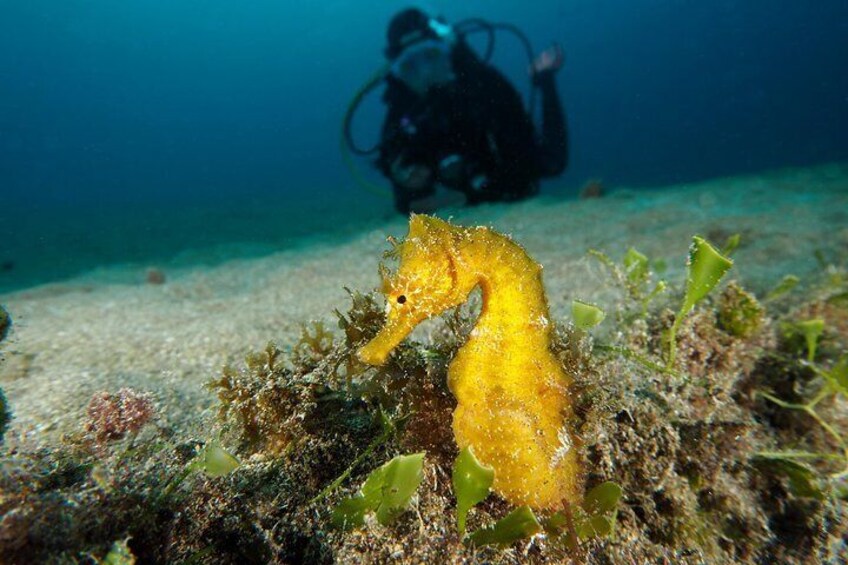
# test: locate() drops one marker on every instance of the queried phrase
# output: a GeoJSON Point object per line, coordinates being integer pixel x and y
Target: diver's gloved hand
{"type": "Point", "coordinates": [478, 190]}
{"type": "Point", "coordinates": [547, 62]}
{"type": "Point", "coordinates": [479, 183]}
{"type": "Point", "coordinates": [411, 177]}
{"type": "Point", "coordinates": [452, 172]}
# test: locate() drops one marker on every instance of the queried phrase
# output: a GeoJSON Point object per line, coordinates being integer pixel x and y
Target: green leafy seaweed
{"type": "Point", "coordinates": [119, 554]}
{"type": "Point", "coordinates": [215, 461]}
{"type": "Point", "coordinates": [785, 285]}
{"type": "Point", "coordinates": [386, 492]}
{"type": "Point", "coordinates": [594, 518]}
{"type": "Point", "coordinates": [812, 331]}
{"type": "Point", "coordinates": [519, 524]}
{"type": "Point", "coordinates": [472, 483]}
{"type": "Point", "coordinates": [731, 244]}
{"type": "Point", "coordinates": [636, 268]}
{"type": "Point", "coordinates": [601, 507]}
{"type": "Point", "coordinates": [802, 480]}
{"type": "Point", "coordinates": [705, 269]}
{"type": "Point", "coordinates": [586, 316]}
{"type": "Point", "coordinates": [837, 376]}
{"type": "Point", "coordinates": [634, 275]}
{"type": "Point", "coordinates": [602, 499]}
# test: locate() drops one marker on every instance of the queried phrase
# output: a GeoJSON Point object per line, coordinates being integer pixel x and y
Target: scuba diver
{"type": "Point", "coordinates": [454, 120]}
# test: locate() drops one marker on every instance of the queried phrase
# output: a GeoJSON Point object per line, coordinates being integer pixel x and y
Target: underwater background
{"type": "Point", "coordinates": [176, 133]}
{"type": "Point", "coordinates": [217, 346]}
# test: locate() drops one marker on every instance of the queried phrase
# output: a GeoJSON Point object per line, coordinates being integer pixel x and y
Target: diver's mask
{"type": "Point", "coordinates": [423, 65]}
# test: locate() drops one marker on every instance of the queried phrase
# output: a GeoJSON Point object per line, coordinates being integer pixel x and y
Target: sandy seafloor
{"type": "Point", "coordinates": [108, 329]}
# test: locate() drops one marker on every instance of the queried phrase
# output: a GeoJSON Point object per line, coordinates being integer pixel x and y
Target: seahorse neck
{"type": "Point", "coordinates": [512, 291]}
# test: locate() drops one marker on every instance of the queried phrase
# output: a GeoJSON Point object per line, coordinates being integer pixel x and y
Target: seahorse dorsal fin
{"type": "Point", "coordinates": [386, 283]}
{"type": "Point", "coordinates": [417, 226]}
{"type": "Point", "coordinates": [421, 225]}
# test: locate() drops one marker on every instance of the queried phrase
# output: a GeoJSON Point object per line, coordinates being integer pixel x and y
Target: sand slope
{"type": "Point", "coordinates": [74, 338]}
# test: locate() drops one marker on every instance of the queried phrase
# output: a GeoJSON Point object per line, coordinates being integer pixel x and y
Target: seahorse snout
{"type": "Point", "coordinates": [376, 351]}
{"type": "Point", "coordinates": [370, 354]}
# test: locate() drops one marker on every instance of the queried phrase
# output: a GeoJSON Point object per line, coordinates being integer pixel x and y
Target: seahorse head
{"type": "Point", "coordinates": [426, 283]}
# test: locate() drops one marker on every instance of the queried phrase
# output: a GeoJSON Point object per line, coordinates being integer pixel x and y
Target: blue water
{"type": "Point", "coordinates": [131, 131]}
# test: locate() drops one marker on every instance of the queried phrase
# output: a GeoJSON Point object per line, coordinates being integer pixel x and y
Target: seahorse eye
{"type": "Point", "coordinates": [401, 299]}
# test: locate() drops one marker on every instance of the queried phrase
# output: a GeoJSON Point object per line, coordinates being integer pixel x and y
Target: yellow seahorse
{"type": "Point", "coordinates": [512, 393]}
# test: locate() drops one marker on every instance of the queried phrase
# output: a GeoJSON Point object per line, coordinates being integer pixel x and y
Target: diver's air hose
{"type": "Point", "coordinates": [363, 91]}
{"type": "Point", "coordinates": [473, 25]}
{"type": "Point", "coordinates": [347, 144]}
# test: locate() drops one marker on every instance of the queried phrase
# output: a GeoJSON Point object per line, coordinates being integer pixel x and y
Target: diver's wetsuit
{"type": "Point", "coordinates": [480, 118]}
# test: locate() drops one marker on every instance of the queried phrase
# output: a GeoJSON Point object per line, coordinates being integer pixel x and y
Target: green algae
{"type": "Point", "coordinates": [472, 483]}
{"type": "Point", "coordinates": [519, 524]}
{"type": "Point", "coordinates": [785, 286]}
{"type": "Point", "coordinates": [637, 271]}
{"type": "Point", "coordinates": [600, 507]}
{"type": "Point", "coordinates": [812, 331]}
{"type": "Point", "coordinates": [739, 312]}
{"type": "Point", "coordinates": [585, 315]}
{"type": "Point", "coordinates": [386, 492]}
{"type": "Point", "coordinates": [593, 519]}
{"type": "Point", "coordinates": [216, 461]}
{"type": "Point", "coordinates": [705, 268]}
{"type": "Point", "coordinates": [635, 275]}
{"type": "Point", "coordinates": [119, 554]}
